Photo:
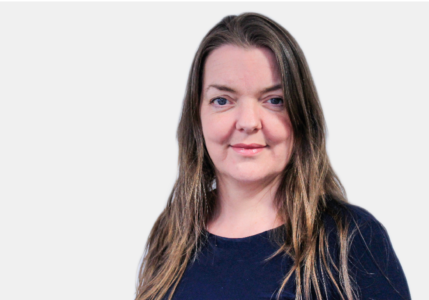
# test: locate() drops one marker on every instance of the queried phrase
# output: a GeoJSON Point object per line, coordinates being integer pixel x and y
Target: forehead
{"type": "Point", "coordinates": [245, 69]}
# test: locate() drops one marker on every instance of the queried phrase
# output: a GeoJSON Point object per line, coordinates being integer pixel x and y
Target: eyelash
{"type": "Point", "coordinates": [213, 100]}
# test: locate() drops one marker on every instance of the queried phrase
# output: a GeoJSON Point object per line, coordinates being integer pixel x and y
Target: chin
{"type": "Point", "coordinates": [249, 177]}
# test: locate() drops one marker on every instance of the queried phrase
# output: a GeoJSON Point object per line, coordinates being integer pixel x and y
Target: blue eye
{"type": "Point", "coordinates": [221, 101]}
{"type": "Point", "coordinates": [276, 101]}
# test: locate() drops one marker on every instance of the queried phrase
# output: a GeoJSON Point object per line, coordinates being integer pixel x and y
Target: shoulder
{"type": "Point", "coordinates": [348, 210]}
{"type": "Point", "coordinates": [364, 232]}
{"type": "Point", "coordinates": [372, 261]}
{"type": "Point", "coordinates": [366, 236]}
{"type": "Point", "coordinates": [353, 217]}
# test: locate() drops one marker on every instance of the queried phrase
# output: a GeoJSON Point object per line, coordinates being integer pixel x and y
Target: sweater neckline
{"type": "Point", "coordinates": [243, 239]}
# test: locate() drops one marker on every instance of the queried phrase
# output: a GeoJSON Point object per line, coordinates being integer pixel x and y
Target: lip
{"type": "Point", "coordinates": [248, 149]}
{"type": "Point", "coordinates": [248, 146]}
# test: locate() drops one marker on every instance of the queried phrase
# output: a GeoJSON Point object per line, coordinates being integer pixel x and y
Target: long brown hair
{"type": "Point", "coordinates": [308, 183]}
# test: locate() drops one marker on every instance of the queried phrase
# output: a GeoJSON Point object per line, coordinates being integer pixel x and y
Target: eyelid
{"type": "Point", "coordinates": [219, 97]}
{"type": "Point", "coordinates": [275, 97]}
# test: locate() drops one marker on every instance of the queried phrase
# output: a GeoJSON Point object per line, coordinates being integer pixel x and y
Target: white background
{"type": "Point", "coordinates": [90, 97]}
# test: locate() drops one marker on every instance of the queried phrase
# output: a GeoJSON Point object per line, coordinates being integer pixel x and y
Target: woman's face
{"type": "Point", "coordinates": [246, 127]}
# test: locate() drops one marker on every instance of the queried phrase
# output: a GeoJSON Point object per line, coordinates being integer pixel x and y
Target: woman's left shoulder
{"type": "Point", "coordinates": [367, 237]}
{"type": "Point", "coordinates": [361, 220]}
{"type": "Point", "coordinates": [372, 259]}
{"type": "Point", "coordinates": [355, 217]}
{"type": "Point", "coordinates": [349, 211]}
{"type": "Point", "coordinates": [366, 232]}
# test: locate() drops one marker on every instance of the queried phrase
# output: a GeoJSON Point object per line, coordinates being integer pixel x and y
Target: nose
{"type": "Point", "coordinates": [248, 117]}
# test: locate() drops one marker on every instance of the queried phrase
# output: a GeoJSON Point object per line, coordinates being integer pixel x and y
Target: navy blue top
{"type": "Point", "coordinates": [233, 268]}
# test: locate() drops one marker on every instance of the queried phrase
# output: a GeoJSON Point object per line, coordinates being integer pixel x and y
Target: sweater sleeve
{"type": "Point", "coordinates": [372, 260]}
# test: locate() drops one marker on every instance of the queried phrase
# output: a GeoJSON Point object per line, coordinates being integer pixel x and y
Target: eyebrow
{"type": "Point", "coordinates": [229, 89]}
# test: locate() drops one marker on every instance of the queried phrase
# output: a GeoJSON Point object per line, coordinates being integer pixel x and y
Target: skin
{"type": "Point", "coordinates": [246, 185]}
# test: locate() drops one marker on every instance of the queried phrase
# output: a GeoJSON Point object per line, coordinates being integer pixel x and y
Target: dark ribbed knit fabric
{"type": "Point", "coordinates": [233, 268]}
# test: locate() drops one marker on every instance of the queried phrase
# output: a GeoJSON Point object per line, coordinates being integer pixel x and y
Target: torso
{"type": "Point", "coordinates": [233, 269]}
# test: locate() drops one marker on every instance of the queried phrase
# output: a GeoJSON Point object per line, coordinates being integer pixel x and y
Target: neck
{"type": "Point", "coordinates": [244, 208]}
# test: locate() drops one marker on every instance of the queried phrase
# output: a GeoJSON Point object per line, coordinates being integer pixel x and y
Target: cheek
{"type": "Point", "coordinates": [278, 133]}
{"type": "Point", "coordinates": [216, 130]}
{"type": "Point", "coordinates": [278, 130]}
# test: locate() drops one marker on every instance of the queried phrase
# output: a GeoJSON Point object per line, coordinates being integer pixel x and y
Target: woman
{"type": "Point", "coordinates": [257, 211]}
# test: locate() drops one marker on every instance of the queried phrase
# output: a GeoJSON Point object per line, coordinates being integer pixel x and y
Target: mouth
{"type": "Point", "coordinates": [248, 146]}
{"type": "Point", "coordinates": [248, 149]}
